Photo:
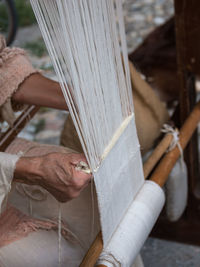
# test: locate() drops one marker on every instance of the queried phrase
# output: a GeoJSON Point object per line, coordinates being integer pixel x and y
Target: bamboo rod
{"type": "Point", "coordinates": [19, 124]}
{"type": "Point", "coordinates": [159, 176]}
{"type": "Point", "coordinates": [93, 253]}
{"type": "Point", "coordinates": [157, 154]}
{"type": "Point", "coordinates": [164, 168]}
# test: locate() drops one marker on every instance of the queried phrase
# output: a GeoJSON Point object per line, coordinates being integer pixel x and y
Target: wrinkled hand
{"type": "Point", "coordinates": [55, 172]}
{"type": "Point", "coordinates": [61, 178]}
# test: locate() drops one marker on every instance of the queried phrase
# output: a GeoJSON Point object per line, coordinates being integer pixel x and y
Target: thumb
{"type": "Point", "coordinates": [77, 158]}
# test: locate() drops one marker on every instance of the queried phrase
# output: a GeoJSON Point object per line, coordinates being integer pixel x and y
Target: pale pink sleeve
{"type": "Point", "coordinates": [15, 67]}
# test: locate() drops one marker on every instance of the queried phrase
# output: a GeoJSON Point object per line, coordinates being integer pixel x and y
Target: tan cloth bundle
{"type": "Point", "coordinates": [150, 115]}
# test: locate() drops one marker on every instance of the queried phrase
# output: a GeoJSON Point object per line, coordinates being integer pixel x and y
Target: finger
{"type": "Point", "coordinates": [76, 158]}
{"type": "Point", "coordinates": [80, 183]}
{"type": "Point", "coordinates": [73, 192]}
{"type": "Point", "coordinates": [80, 174]}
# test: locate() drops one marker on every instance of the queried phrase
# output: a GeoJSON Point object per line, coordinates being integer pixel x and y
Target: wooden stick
{"type": "Point", "coordinates": [19, 124]}
{"type": "Point", "coordinates": [159, 176]}
{"type": "Point", "coordinates": [93, 253]}
{"type": "Point", "coordinates": [156, 155]}
{"type": "Point", "coordinates": [164, 168]}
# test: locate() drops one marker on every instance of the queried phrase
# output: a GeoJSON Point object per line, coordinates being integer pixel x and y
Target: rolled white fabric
{"type": "Point", "coordinates": [7, 168]}
{"type": "Point", "coordinates": [138, 261]}
{"type": "Point", "coordinates": [135, 227]}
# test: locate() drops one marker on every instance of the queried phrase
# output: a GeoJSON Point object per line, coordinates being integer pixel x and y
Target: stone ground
{"type": "Point", "coordinates": [141, 16]}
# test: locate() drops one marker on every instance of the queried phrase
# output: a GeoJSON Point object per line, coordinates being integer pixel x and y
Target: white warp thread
{"type": "Point", "coordinates": [33, 192]}
{"type": "Point", "coordinates": [134, 228]}
{"type": "Point", "coordinates": [87, 44]}
{"type": "Point", "coordinates": [7, 168]}
{"type": "Point", "coordinates": [59, 234]}
{"type": "Point", "coordinates": [123, 168]}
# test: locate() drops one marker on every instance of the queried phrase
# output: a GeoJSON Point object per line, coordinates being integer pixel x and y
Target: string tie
{"type": "Point", "coordinates": [168, 129]}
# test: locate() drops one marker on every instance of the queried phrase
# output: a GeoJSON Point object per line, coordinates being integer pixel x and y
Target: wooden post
{"type": "Point", "coordinates": [93, 253]}
{"type": "Point", "coordinates": [187, 21]}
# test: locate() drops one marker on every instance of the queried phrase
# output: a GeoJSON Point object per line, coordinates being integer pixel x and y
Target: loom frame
{"type": "Point", "coordinates": [187, 22]}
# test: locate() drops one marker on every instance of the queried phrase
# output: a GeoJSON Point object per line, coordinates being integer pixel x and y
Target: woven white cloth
{"type": "Point", "coordinates": [125, 178]}
{"type": "Point", "coordinates": [91, 63]}
{"type": "Point", "coordinates": [135, 227]}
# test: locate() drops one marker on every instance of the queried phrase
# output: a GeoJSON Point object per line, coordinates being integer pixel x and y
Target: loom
{"type": "Point", "coordinates": [157, 175]}
{"type": "Point", "coordinates": [92, 67]}
{"type": "Point", "coordinates": [93, 71]}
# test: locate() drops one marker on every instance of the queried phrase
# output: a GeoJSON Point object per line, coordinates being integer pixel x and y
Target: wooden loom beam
{"type": "Point", "coordinates": [159, 176]}
{"type": "Point", "coordinates": [187, 21]}
{"type": "Point", "coordinates": [19, 124]}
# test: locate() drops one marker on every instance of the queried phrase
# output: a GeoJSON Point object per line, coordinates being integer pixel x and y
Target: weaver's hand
{"type": "Point", "coordinates": [56, 172]}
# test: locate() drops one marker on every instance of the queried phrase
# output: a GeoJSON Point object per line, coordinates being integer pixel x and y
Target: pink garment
{"type": "Point", "coordinates": [14, 69]}
{"type": "Point", "coordinates": [15, 225]}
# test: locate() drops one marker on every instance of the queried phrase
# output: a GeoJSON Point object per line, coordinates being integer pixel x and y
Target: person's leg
{"type": "Point", "coordinates": [40, 249]}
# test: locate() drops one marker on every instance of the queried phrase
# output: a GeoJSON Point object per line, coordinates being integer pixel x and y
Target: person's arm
{"type": "Point", "coordinates": [40, 91]}
{"type": "Point", "coordinates": [24, 84]}
{"type": "Point", "coordinates": [56, 172]}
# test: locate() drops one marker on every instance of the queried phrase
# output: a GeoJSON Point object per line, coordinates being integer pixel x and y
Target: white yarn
{"type": "Point", "coordinates": [168, 129]}
{"type": "Point", "coordinates": [39, 194]}
{"type": "Point", "coordinates": [59, 234]}
{"type": "Point", "coordinates": [35, 192]}
{"type": "Point", "coordinates": [175, 142]}
{"type": "Point", "coordinates": [89, 64]}
{"type": "Point", "coordinates": [135, 227]}
{"type": "Point", "coordinates": [86, 41]}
